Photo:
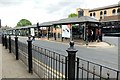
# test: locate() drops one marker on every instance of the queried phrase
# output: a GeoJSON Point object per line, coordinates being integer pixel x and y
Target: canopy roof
{"type": "Point", "coordinates": [73, 20]}
{"type": "Point", "coordinates": [47, 24]}
{"type": "Point", "coordinates": [23, 27]}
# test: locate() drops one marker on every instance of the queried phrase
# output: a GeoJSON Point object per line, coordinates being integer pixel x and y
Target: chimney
{"type": "Point", "coordinates": [80, 13]}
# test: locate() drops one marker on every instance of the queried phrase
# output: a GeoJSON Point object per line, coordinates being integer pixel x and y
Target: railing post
{"type": "Point", "coordinates": [71, 61]}
{"type": "Point", "coordinates": [9, 44]}
{"type": "Point", "coordinates": [30, 55]}
{"type": "Point", "coordinates": [5, 41]}
{"type": "Point", "coordinates": [16, 47]}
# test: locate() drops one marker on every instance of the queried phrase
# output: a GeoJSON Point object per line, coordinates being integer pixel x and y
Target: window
{"type": "Point", "coordinates": [90, 14]}
{"type": "Point", "coordinates": [101, 13]}
{"type": "Point", "coordinates": [113, 11]}
{"type": "Point", "coordinates": [100, 17]}
{"type": "Point", "coordinates": [94, 14]}
{"type": "Point", "coordinates": [105, 12]}
{"type": "Point", "coordinates": [118, 11]}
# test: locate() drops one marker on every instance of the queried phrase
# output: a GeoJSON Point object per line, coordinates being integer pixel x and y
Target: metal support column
{"type": "Point", "coordinates": [30, 55]}
{"type": "Point", "coordinates": [16, 47]}
{"type": "Point", "coordinates": [71, 61]}
{"type": "Point", "coordinates": [9, 44]}
{"type": "Point", "coordinates": [5, 41]}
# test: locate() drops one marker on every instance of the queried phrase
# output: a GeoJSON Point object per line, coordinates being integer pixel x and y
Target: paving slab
{"type": "Point", "coordinates": [0, 61]}
{"type": "Point", "coordinates": [12, 68]}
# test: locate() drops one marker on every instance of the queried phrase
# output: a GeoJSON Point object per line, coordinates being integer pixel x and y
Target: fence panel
{"type": "Point", "coordinates": [89, 70]}
{"type": "Point", "coordinates": [7, 42]}
{"type": "Point", "coordinates": [48, 64]}
{"type": "Point", "coordinates": [23, 52]}
{"type": "Point", "coordinates": [13, 46]}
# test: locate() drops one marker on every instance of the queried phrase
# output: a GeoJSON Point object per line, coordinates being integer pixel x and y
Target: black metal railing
{"type": "Point", "coordinates": [89, 70]}
{"type": "Point", "coordinates": [48, 64]}
{"type": "Point", "coordinates": [13, 46]}
{"type": "Point", "coordinates": [7, 39]}
{"type": "Point", "coordinates": [23, 53]}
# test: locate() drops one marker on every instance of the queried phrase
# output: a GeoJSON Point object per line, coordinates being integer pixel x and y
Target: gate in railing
{"type": "Point", "coordinates": [51, 65]}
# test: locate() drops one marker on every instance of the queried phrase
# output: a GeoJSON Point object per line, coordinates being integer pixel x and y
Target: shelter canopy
{"type": "Point", "coordinates": [73, 20]}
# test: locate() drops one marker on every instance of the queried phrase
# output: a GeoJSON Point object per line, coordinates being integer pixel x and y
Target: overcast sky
{"type": "Point", "coordinates": [11, 11]}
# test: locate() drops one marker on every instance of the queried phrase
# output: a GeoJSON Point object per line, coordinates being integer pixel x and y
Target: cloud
{"type": "Point", "coordinates": [62, 5]}
{"type": "Point", "coordinates": [11, 11]}
{"type": "Point", "coordinates": [6, 3]}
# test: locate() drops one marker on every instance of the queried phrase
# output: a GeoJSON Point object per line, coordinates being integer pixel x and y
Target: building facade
{"type": "Point", "coordinates": [110, 12]}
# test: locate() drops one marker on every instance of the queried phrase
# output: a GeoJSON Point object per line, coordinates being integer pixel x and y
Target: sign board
{"type": "Point", "coordinates": [32, 31]}
{"type": "Point", "coordinates": [66, 31]}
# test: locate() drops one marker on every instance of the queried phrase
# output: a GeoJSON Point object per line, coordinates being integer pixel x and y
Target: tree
{"type": "Point", "coordinates": [23, 22]}
{"type": "Point", "coordinates": [72, 15]}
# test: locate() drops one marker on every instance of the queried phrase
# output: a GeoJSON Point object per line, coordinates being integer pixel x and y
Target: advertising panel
{"type": "Point", "coordinates": [66, 31]}
{"type": "Point", "coordinates": [32, 31]}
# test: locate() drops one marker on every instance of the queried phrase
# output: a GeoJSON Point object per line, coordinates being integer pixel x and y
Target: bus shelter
{"type": "Point", "coordinates": [70, 28]}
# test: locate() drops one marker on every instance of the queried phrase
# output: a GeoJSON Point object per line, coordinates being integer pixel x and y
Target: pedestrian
{"type": "Point", "coordinates": [91, 35]}
{"type": "Point", "coordinates": [87, 36]}
{"type": "Point", "coordinates": [100, 34]}
{"type": "Point", "coordinates": [33, 38]}
{"type": "Point", "coordinates": [97, 34]}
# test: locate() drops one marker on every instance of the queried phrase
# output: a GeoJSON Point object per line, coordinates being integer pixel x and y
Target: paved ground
{"type": "Point", "coordinates": [77, 42]}
{"type": "Point", "coordinates": [11, 68]}
{"type": "Point", "coordinates": [83, 43]}
{"type": "Point", "coordinates": [0, 61]}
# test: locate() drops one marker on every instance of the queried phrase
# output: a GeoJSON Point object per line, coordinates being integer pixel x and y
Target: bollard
{"type": "Point", "coordinates": [9, 44]}
{"type": "Point", "coordinates": [30, 55]}
{"type": "Point", "coordinates": [5, 41]}
{"type": "Point", "coordinates": [71, 61]}
{"type": "Point", "coordinates": [16, 47]}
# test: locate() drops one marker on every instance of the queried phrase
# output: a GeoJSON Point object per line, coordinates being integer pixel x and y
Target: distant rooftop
{"type": "Point", "coordinates": [105, 7]}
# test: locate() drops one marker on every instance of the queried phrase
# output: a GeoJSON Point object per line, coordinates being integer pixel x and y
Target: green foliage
{"type": "Point", "coordinates": [23, 22]}
{"type": "Point", "coordinates": [72, 15]}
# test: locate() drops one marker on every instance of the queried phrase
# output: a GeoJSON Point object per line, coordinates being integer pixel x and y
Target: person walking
{"type": "Point", "coordinates": [100, 34]}
{"type": "Point", "coordinates": [97, 34]}
{"type": "Point", "coordinates": [91, 35]}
